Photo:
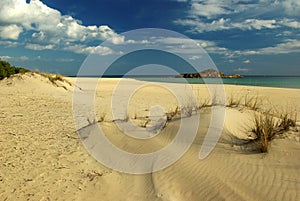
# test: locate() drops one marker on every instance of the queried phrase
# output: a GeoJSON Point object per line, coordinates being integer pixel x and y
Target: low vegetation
{"type": "Point", "coordinates": [267, 123]}
{"type": "Point", "coordinates": [265, 129]}
{"type": "Point", "coordinates": [250, 101]}
{"type": "Point", "coordinates": [288, 118]}
{"type": "Point", "coordinates": [172, 113]}
{"type": "Point", "coordinates": [233, 102]}
{"type": "Point", "coordinates": [6, 70]}
{"type": "Point", "coordinates": [53, 78]}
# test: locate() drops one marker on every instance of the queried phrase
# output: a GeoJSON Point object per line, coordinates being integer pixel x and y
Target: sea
{"type": "Point", "coordinates": [264, 81]}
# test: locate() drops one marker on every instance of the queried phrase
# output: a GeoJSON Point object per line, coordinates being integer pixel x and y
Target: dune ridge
{"type": "Point", "coordinates": [42, 157]}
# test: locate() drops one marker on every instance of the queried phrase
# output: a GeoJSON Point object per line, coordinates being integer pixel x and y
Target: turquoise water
{"type": "Point", "coordinates": [281, 82]}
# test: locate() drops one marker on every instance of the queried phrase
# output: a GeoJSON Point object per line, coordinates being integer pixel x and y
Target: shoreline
{"type": "Point", "coordinates": [158, 81]}
{"type": "Point", "coordinates": [225, 84]}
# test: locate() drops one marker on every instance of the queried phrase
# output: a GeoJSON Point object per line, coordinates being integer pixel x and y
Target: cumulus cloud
{"type": "Point", "coordinates": [10, 31]}
{"type": "Point", "coordinates": [50, 28]}
{"type": "Point", "coordinates": [117, 40]}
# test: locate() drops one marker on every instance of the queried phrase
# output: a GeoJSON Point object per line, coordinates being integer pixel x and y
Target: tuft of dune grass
{"type": "Point", "coordinates": [53, 78]}
{"type": "Point", "coordinates": [266, 127]}
{"type": "Point", "coordinates": [265, 130]}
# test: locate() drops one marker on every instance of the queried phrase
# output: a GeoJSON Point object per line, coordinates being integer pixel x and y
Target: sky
{"type": "Point", "coordinates": [250, 37]}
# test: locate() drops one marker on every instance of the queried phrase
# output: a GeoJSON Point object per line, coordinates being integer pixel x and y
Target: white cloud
{"type": "Point", "coordinates": [184, 41]}
{"type": "Point", "coordinates": [226, 24]}
{"type": "Point", "coordinates": [285, 33]}
{"type": "Point", "coordinates": [190, 46]}
{"type": "Point", "coordinates": [9, 43]}
{"type": "Point", "coordinates": [10, 31]}
{"type": "Point", "coordinates": [50, 28]}
{"type": "Point", "coordinates": [292, 7]}
{"type": "Point", "coordinates": [117, 40]}
{"type": "Point", "coordinates": [33, 46]}
{"type": "Point", "coordinates": [5, 57]}
{"type": "Point", "coordinates": [247, 52]}
{"type": "Point", "coordinates": [65, 60]}
{"type": "Point", "coordinates": [215, 15]}
{"type": "Point", "coordinates": [200, 26]}
{"type": "Point", "coordinates": [256, 24]}
{"type": "Point", "coordinates": [194, 57]}
{"type": "Point", "coordinates": [24, 58]}
{"type": "Point", "coordinates": [208, 9]}
{"type": "Point", "coordinates": [29, 15]}
{"type": "Point", "coordinates": [289, 23]}
{"type": "Point", "coordinates": [216, 8]}
{"type": "Point", "coordinates": [21, 58]}
{"type": "Point", "coordinates": [187, 46]}
{"type": "Point", "coordinates": [286, 47]}
{"type": "Point", "coordinates": [244, 70]}
{"type": "Point", "coordinates": [289, 46]}
{"type": "Point", "coordinates": [82, 49]}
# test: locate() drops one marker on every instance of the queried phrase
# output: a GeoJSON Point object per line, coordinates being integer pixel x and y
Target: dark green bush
{"type": "Point", "coordinates": [6, 70]}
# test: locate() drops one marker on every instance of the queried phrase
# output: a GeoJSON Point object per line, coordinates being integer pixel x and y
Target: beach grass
{"type": "Point", "coordinates": [265, 130]}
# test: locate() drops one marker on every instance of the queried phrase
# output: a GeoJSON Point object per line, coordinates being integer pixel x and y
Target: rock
{"type": "Point", "coordinates": [210, 73]}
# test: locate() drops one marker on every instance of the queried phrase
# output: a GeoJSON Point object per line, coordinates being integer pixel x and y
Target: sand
{"type": "Point", "coordinates": [43, 158]}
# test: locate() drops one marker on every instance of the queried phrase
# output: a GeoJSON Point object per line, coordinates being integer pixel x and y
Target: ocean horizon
{"type": "Point", "coordinates": [262, 81]}
{"type": "Point", "coordinates": [248, 80]}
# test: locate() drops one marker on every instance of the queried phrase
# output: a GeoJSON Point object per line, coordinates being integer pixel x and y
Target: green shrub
{"type": "Point", "coordinates": [6, 70]}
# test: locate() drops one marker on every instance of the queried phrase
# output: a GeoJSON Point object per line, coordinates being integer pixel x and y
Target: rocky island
{"type": "Point", "coordinates": [210, 73]}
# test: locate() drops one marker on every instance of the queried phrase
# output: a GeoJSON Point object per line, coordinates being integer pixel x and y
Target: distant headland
{"type": "Point", "coordinates": [210, 73]}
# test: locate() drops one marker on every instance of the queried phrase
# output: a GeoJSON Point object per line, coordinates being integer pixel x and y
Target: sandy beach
{"type": "Point", "coordinates": [43, 158]}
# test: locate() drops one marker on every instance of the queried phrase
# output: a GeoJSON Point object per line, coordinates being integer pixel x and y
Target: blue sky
{"type": "Point", "coordinates": [259, 37]}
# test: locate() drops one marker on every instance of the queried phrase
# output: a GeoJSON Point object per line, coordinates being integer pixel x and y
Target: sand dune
{"type": "Point", "coordinates": [43, 158]}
